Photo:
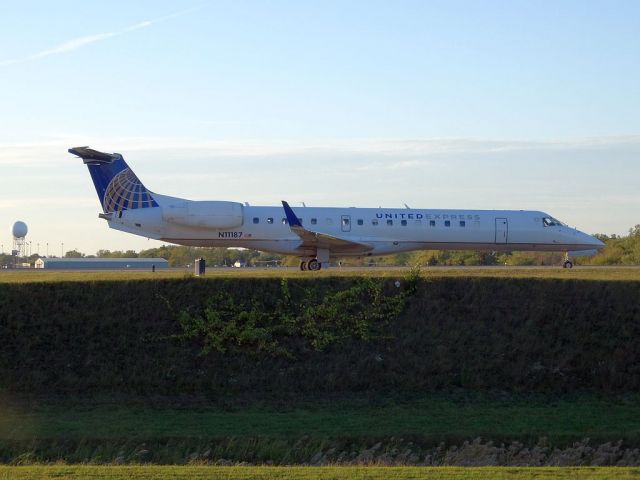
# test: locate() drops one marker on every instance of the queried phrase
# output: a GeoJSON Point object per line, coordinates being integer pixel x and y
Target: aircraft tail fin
{"type": "Point", "coordinates": [117, 186]}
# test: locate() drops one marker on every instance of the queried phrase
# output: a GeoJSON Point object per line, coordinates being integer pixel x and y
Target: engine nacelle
{"type": "Point", "coordinates": [204, 214]}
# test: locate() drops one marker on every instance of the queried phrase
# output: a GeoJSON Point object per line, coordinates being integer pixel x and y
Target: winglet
{"type": "Point", "coordinates": [291, 217]}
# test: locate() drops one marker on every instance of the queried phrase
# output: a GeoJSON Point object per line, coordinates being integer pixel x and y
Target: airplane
{"type": "Point", "coordinates": [318, 234]}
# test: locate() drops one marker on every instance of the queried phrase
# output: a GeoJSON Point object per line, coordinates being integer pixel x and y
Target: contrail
{"type": "Point", "coordinates": [80, 42]}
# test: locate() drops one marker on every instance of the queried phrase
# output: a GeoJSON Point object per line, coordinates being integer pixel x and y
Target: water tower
{"type": "Point", "coordinates": [19, 231]}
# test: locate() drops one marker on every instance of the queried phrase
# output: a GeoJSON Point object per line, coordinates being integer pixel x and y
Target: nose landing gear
{"type": "Point", "coordinates": [567, 262]}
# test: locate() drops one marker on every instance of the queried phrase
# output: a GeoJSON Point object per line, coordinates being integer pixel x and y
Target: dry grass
{"type": "Point", "coordinates": [326, 473]}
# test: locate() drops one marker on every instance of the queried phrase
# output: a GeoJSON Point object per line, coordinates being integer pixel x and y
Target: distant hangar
{"type": "Point", "coordinates": [101, 263]}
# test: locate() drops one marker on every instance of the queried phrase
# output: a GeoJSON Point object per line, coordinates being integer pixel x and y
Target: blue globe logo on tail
{"type": "Point", "coordinates": [118, 188]}
{"type": "Point", "coordinates": [126, 192]}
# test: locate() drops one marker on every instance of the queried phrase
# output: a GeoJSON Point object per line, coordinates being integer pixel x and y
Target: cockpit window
{"type": "Point", "coordinates": [551, 222]}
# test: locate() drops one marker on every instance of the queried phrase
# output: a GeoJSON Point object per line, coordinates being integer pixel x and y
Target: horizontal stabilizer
{"type": "Point", "coordinates": [94, 157]}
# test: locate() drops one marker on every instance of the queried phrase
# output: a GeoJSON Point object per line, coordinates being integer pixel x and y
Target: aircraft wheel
{"type": "Point", "coordinates": [303, 266]}
{"type": "Point", "coordinates": [314, 265]}
{"type": "Point", "coordinates": [568, 264]}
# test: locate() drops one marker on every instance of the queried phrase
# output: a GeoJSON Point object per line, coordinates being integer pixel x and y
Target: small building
{"type": "Point", "coordinates": [101, 263]}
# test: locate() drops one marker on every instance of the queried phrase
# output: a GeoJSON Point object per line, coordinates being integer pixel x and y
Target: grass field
{"type": "Point", "coordinates": [104, 434]}
{"type": "Point", "coordinates": [577, 273]}
{"type": "Point", "coordinates": [461, 379]}
{"type": "Point", "coordinates": [439, 418]}
{"type": "Point", "coordinates": [325, 473]}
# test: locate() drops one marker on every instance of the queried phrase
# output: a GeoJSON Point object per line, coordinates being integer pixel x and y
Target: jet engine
{"type": "Point", "coordinates": [204, 214]}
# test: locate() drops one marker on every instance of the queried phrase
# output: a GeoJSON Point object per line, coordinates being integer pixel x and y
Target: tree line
{"type": "Point", "coordinates": [619, 250]}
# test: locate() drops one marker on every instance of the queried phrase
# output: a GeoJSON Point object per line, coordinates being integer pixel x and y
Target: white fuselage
{"type": "Point", "coordinates": [382, 230]}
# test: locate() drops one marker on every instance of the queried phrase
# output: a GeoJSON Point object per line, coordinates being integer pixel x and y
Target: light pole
{"type": "Point", "coordinates": [62, 250]}
{"type": "Point", "coordinates": [47, 249]}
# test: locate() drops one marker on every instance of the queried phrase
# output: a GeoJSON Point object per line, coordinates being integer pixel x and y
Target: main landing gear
{"type": "Point", "coordinates": [312, 265]}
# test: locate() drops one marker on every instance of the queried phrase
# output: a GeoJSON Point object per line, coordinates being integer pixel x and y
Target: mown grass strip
{"type": "Point", "coordinates": [432, 416]}
{"type": "Point", "coordinates": [578, 273]}
{"type": "Point", "coordinates": [63, 472]}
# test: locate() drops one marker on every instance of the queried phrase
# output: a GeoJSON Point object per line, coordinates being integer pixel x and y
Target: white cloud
{"type": "Point", "coordinates": [362, 154]}
{"type": "Point", "coordinates": [396, 148]}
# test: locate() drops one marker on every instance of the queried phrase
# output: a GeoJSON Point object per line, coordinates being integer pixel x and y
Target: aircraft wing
{"type": "Point", "coordinates": [311, 239]}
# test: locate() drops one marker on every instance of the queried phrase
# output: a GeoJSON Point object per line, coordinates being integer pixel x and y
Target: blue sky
{"type": "Point", "coordinates": [434, 103]}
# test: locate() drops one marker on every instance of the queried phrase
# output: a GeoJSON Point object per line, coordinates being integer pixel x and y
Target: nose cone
{"type": "Point", "coordinates": [590, 241]}
{"type": "Point", "coordinates": [585, 245]}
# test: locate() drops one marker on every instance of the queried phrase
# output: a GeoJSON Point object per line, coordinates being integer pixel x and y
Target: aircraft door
{"type": "Point", "coordinates": [345, 223]}
{"type": "Point", "coordinates": [502, 230]}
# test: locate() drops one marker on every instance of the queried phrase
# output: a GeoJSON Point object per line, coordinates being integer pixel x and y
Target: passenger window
{"type": "Point", "coordinates": [403, 223]}
{"type": "Point", "coordinates": [390, 223]}
{"type": "Point", "coordinates": [447, 223]}
{"type": "Point", "coordinates": [374, 222]}
{"type": "Point", "coordinates": [314, 221]}
{"type": "Point", "coordinates": [345, 222]}
{"type": "Point", "coordinates": [256, 220]}
{"type": "Point", "coordinates": [418, 223]}
{"type": "Point", "coordinates": [432, 223]}
{"type": "Point", "coordinates": [284, 221]}
{"type": "Point", "coordinates": [360, 221]}
{"type": "Point", "coordinates": [270, 220]}
{"type": "Point", "coordinates": [463, 223]}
